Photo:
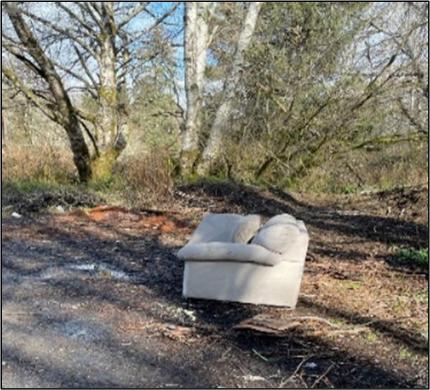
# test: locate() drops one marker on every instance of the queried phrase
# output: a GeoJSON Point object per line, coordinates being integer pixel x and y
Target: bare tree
{"type": "Point", "coordinates": [60, 106]}
{"type": "Point", "coordinates": [196, 43]}
{"type": "Point", "coordinates": [103, 54]}
{"type": "Point", "coordinates": [222, 116]}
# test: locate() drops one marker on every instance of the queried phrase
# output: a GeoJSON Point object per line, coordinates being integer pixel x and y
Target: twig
{"type": "Point", "coordinates": [285, 381]}
{"type": "Point", "coordinates": [340, 331]}
{"type": "Point", "coordinates": [322, 376]}
{"type": "Point", "coordinates": [260, 355]}
{"type": "Point", "coordinates": [313, 318]}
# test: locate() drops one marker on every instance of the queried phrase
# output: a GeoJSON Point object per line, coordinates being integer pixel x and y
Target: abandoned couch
{"type": "Point", "coordinates": [230, 257]}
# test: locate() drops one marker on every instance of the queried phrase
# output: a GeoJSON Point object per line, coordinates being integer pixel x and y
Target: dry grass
{"type": "Point", "coordinates": [42, 163]}
{"type": "Point", "coordinates": [135, 181]}
{"type": "Point", "coordinates": [398, 166]}
{"type": "Point", "coordinates": [145, 179]}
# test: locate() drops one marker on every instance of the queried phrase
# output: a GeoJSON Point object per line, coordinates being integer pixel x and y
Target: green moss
{"type": "Point", "coordinates": [102, 167]}
{"type": "Point", "coordinates": [108, 94]}
{"type": "Point", "coordinates": [188, 159]}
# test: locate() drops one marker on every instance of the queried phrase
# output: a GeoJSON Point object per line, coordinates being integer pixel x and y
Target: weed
{"type": "Point", "coordinates": [352, 284]}
{"type": "Point", "coordinates": [422, 297]}
{"type": "Point", "coordinates": [404, 353]}
{"type": "Point", "coordinates": [418, 257]}
{"type": "Point", "coordinates": [371, 336]}
{"type": "Point", "coordinates": [400, 305]}
{"type": "Point", "coordinates": [349, 189]}
{"type": "Point", "coordinates": [337, 321]}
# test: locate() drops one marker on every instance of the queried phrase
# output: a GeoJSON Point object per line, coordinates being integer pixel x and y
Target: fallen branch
{"type": "Point", "coordinates": [266, 324]}
{"type": "Point", "coordinates": [318, 380]}
{"type": "Point", "coordinates": [285, 381]}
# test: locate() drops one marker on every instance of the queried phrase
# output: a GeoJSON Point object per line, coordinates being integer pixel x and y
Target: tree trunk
{"type": "Point", "coordinates": [196, 44]}
{"type": "Point", "coordinates": [222, 116]}
{"type": "Point", "coordinates": [111, 136]}
{"type": "Point", "coordinates": [64, 112]}
{"type": "Point", "coordinates": [3, 130]}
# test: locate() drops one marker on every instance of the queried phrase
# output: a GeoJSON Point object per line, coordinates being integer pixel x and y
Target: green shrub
{"type": "Point", "coordinates": [413, 256]}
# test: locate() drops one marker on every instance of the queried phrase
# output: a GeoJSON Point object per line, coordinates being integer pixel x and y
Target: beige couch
{"type": "Point", "coordinates": [231, 257]}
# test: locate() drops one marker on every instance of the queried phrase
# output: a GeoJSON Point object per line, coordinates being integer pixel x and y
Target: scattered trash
{"type": "Point", "coordinates": [16, 215]}
{"type": "Point", "coordinates": [60, 209]}
{"type": "Point", "coordinates": [176, 332]}
{"type": "Point", "coordinates": [3, 363]}
{"type": "Point", "coordinates": [102, 270]}
{"type": "Point", "coordinates": [311, 365]}
{"type": "Point", "coordinates": [254, 378]}
{"type": "Point", "coordinates": [179, 312]}
{"type": "Point", "coordinates": [190, 314]}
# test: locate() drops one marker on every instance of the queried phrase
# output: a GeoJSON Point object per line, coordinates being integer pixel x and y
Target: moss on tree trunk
{"type": "Point", "coordinates": [102, 166]}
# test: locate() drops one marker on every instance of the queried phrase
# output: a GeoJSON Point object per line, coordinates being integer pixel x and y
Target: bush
{"type": "Point", "coordinates": [145, 179]}
{"type": "Point", "coordinates": [418, 257]}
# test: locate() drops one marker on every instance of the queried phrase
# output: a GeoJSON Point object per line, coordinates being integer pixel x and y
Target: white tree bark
{"type": "Point", "coordinates": [197, 15]}
{"type": "Point", "coordinates": [222, 116]}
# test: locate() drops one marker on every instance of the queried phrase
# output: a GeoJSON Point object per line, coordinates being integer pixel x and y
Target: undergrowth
{"type": "Point", "coordinates": [412, 256]}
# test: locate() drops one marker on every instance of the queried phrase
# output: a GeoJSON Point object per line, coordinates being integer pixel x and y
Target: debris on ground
{"type": "Point", "coordinates": [361, 322]}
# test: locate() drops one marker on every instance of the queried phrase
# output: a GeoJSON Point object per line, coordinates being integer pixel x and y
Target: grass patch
{"type": "Point", "coordinates": [404, 353]}
{"type": "Point", "coordinates": [419, 257]}
{"type": "Point", "coordinates": [30, 196]}
{"type": "Point", "coordinates": [371, 336]}
{"type": "Point", "coordinates": [422, 297]}
{"type": "Point", "coordinates": [351, 284]}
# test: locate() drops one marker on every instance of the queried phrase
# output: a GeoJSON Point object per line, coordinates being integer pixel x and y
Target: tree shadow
{"type": "Point", "coordinates": [387, 230]}
{"type": "Point", "coordinates": [153, 265]}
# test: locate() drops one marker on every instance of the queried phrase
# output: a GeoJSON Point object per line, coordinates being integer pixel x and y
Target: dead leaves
{"type": "Point", "coordinates": [121, 217]}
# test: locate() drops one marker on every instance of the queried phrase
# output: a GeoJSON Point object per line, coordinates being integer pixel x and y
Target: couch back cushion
{"type": "Point", "coordinates": [246, 229]}
{"type": "Point", "coordinates": [277, 237]}
{"type": "Point", "coordinates": [281, 218]}
{"type": "Point", "coordinates": [216, 227]}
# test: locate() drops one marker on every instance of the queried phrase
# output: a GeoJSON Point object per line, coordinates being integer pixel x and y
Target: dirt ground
{"type": "Point", "coordinates": [92, 298]}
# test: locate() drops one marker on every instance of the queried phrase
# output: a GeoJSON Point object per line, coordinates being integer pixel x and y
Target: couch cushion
{"type": "Point", "coordinates": [222, 251]}
{"type": "Point", "coordinates": [281, 218]}
{"type": "Point", "coordinates": [246, 229]}
{"type": "Point", "coordinates": [277, 237]}
{"type": "Point", "coordinates": [216, 227]}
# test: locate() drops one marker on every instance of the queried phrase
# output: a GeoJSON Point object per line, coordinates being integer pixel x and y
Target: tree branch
{"type": "Point", "coordinates": [62, 31]}
{"type": "Point", "coordinates": [28, 93]}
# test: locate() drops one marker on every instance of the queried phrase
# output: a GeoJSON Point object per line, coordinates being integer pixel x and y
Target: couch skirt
{"type": "Point", "coordinates": [277, 285]}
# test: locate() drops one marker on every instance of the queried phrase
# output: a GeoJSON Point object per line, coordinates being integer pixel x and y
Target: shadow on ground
{"type": "Point", "coordinates": [53, 348]}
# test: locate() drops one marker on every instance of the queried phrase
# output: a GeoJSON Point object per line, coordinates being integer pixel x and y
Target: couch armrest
{"type": "Point", "coordinates": [225, 251]}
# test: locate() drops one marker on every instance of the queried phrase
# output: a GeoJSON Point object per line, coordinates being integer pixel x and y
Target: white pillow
{"type": "Point", "coordinates": [277, 237]}
{"type": "Point", "coordinates": [246, 229]}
